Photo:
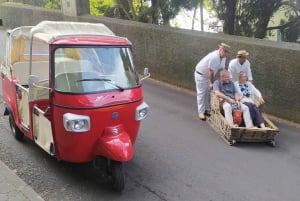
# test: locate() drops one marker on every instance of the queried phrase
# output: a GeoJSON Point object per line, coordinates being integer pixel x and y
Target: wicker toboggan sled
{"type": "Point", "coordinates": [240, 134]}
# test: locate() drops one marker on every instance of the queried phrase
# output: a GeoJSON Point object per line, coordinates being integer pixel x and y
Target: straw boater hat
{"type": "Point", "coordinates": [242, 53]}
{"type": "Point", "coordinates": [224, 46]}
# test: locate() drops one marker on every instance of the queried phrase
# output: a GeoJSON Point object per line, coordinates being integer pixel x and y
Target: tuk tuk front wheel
{"type": "Point", "coordinates": [14, 129]}
{"type": "Point", "coordinates": [117, 174]}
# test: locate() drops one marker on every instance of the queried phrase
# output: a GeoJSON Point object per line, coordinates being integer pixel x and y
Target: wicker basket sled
{"type": "Point", "coordinates": [240, 134]}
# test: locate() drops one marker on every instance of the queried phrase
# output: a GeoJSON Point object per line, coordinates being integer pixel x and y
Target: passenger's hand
{"type": "Point", "coordinates": [211, 86]}
{"type": "Point", "coordinates": [261, 100]}
{"type": "Point", "coordinates": [231, 100]}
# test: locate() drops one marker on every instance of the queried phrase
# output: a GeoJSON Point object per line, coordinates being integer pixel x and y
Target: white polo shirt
{"type": "Point", "coordinates": [235, 68]}
{"type": "Point", "coordinates": [211, 61]}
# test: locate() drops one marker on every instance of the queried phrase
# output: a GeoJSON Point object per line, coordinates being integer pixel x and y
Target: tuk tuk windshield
{"type": "Point", "coordinates": [94, 69]}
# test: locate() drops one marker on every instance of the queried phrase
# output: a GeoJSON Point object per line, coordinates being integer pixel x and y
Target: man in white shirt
{"type": "Point", "coordinates": [204, 77]}
{"type": "Point", "coordinates": [239, 64]}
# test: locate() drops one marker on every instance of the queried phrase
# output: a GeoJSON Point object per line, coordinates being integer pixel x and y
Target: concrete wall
{"type": "Point", "coordinates": [171, 54]}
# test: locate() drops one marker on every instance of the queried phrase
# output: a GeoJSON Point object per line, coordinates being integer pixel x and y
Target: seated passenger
{"type": "Point", "coordinates": [224, 88]}
{"type": "Point", "coordinates": [247, 93]}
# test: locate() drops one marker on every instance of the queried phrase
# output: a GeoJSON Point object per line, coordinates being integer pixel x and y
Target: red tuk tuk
{"type": "Point", "coordinates": [73, 89]}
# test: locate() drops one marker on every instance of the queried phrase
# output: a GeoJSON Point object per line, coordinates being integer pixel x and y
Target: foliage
{"type": "Point", "coordinates": [101, 7]}
{"type": "Point", "coordinates": [41, 3]}
{"type": "Point", "coordinates": [251, 17]}
{"type": "Point", "coordinates": [168, 9]}
{"type": "Point", "coordinates": [290, 29]}
{"type": "Point", "coordinates": [292, 33]}
{"type": "Point", "coordinates": [33, 2]}
{"type": "Point", "coordinates": [150, 11]}
{"type": "Point", "coordinates": [55, 4]}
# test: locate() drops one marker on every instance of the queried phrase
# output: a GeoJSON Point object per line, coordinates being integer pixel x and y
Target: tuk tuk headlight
{"type": "Point", "coordinates": [141, 111]}
{"type": "Point", "coordinates": [76, 123]}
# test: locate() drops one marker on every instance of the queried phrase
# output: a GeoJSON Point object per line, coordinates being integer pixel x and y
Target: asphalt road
{"type": "Point", "coordinates": [177, 158]}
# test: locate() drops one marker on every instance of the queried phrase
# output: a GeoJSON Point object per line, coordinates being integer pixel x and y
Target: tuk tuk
{"type": "Point", "coordinates": [73, 89]}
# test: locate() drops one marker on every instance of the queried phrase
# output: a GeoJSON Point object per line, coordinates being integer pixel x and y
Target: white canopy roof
{"type": "Point", "coordinates": [48, 30]}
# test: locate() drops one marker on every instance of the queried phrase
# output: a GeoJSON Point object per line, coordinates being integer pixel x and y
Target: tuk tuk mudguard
{"type": "Point", "coordinates": [231, 135]}
{"type": "Point", "coordinates": [115, 144]}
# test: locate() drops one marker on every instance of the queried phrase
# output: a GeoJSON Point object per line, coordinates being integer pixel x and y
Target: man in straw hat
{"type": "Point", "coordinates": [204, 77]}
{"type": "Point", "coordinates": [239, 64]}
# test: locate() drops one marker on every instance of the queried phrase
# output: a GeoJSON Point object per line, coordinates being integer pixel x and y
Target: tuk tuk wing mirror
{"type": "Point", "coordinates": [33, 81]}
{"type": "Point", "coordinates": [146, 74]}
{"type": "Point", "coordinates": [146, 71]}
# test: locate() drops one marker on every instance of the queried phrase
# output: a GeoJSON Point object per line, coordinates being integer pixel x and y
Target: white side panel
{"type": "Point", "coordinates": [42, 130]}
{"type": "Point", "coordinates": [23, 107]}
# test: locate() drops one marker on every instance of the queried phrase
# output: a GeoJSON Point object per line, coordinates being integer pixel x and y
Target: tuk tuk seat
{"type": "Point", "coordinates": [72, 82]}
{"type": "Point", "coordinates": [73, 66]}
{"type": "Point", "coordinates": [21, 71]}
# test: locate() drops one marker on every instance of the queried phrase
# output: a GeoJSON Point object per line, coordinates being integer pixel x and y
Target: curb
{"type": "Point", "coordinates": [13, 188]}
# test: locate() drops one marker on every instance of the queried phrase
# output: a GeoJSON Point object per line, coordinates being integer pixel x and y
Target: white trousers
{"type": "Point", "coordinates": [203, 93]}
{"type": "Point", "coordinates": [246, 114]}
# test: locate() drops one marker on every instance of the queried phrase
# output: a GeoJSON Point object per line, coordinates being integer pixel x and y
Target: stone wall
{"type": "Point", "coordinates": [172, 54]}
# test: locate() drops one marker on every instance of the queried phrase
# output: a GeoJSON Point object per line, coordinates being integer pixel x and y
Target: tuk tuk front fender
{"type": "Point", "coordinates": [115, 144]}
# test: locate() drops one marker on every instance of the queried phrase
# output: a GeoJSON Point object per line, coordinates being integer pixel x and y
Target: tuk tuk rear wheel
{"type": "Point", "coordinates": [117, 174]}
{"type": "Point", "coordinates": [14, 129]}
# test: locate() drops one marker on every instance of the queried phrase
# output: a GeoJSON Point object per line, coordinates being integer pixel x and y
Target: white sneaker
{"type": "Point", "coordinates": [201, 116]}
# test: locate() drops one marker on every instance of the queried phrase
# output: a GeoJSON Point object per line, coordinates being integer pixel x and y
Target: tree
{"type": "Point", "coordinates": [251, 17]}
{"type": "Point", "coordinates": [160, 12]}
{"type": "Point", "coordinates": [168, 9]}
{"type": "Point", "coordinates": [123, 9]}
{"type": "Point", "coordinates": [42, 3]}
{"type": "Point", "coordinates": [154, 11]}
{"type": "Point", "coordinates": [102, 7]}
{"type": "Point", "coordinates": [291, 33]}
{"type": "Point", "coordinates": [229, 16]}
{"type": "Point", "coordinates": [263, 11]}
{"type": "Point", "coordinates": [290, 29]}
{"type": "Point", "coordinates": [53, 4]}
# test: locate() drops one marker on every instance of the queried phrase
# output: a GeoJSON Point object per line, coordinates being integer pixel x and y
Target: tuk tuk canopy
{"type": "Point", "coordinates": [44, 33]}
{"type": "Point", "coordinates": [47, 30]}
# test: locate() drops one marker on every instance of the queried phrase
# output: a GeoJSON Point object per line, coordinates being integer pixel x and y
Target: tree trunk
{"type": "Point", "coordinates": [267, 12]}
{"type": "Point", "coordinates": [133, 11]}
{"type": "Point", "coordinates": [123, 12]}
{"type": "Point", "coordinates": [194, 17]}
{"type": "Point", "coordinates": [154, 11]}
{"type": "Point", "coordinates": [201, 14]}
{"type": "Point", "coordinates": [229, 16]}
{"type": "Point", "coordinates": [262, 24]}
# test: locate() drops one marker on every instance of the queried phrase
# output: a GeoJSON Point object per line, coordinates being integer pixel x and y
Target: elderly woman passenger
{"type": "Point", "coordinates": [247, 93]}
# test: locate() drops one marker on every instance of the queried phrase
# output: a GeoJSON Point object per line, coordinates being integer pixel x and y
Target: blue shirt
{"type": "Point", "coordinates": [227, 89]}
